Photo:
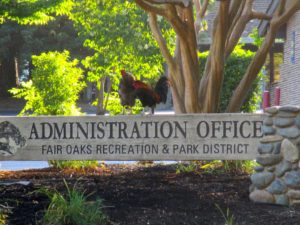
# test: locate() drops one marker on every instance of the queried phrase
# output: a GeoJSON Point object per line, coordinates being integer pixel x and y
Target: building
{"type": "Point", "coordinates": [283, 65]}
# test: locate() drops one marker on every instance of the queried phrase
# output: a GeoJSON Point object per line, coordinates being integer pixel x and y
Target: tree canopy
{"type": "Point", "coordinates": [32, 11]}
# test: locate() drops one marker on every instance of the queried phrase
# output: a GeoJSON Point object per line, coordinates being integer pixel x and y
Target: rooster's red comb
{"type": "Point", "coordinates": [123, 72]}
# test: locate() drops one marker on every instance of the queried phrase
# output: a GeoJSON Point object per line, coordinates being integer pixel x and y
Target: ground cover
{"type": "Point", "coordinates": [138, 195]}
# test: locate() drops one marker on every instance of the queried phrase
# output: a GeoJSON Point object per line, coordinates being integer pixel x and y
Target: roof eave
{"type": "Point", "coordinates": [263, 25]}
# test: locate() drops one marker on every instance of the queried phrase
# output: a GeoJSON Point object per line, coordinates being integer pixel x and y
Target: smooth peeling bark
{"type": "Point", "coordinates": [216, 68]}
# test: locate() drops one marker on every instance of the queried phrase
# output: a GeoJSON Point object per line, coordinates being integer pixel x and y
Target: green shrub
{"type": "Point", "coordinates": [234, 70]}
{"type": "Point", "coordinates": [54, 86]}
{"type": "Point", "coordinates": [53, 90]}
{"type": "Point", "coordinates": [73, 209]}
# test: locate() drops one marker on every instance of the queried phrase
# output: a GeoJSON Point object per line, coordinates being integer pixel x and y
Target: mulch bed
{"type": "Point", "coordinates": [135, 195]}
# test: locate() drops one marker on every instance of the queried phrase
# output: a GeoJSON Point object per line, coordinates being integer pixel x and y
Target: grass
{"type": "Point", "coordinates": [73, 209]}
{"type": "Point", "coordinates": [74, 164]}
{"type": "Point", "coordinates": [3, 217]}
{"type": "Point", "coordinates": [228, 217]}
{"type": "Point", "coordinates": [4, 211]}
{"type": "Point", "coordinates": [186, 167]}
{"type": "Point", "coordinates": [246, 166]}
{"type": "Point", "coordinates": [217, 166]}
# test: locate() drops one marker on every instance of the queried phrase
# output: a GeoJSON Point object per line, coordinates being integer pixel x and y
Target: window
{"type": "Point", "coordinates": [273, 65]}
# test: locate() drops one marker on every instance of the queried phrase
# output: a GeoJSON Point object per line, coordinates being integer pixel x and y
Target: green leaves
{"type": "Point", "coordinates": [73, 208]}
{"type": "Point", "coordinates": [54, 87]}
{"type": "Point", "coordinates": [33, 11]}
{"type": "Point", "coordinates": [119, 34]}
{"type": "Point", "coordinates": [235, 68]}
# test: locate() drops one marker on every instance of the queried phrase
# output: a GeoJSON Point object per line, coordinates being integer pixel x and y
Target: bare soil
{"type": "Point", "coordinates": [135, 195]}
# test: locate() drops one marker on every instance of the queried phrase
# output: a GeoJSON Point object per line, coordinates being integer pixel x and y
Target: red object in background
{"type": "Point", "coordinates": [277, 96]}
{"type": "Point", "coordinates": [266, 100]}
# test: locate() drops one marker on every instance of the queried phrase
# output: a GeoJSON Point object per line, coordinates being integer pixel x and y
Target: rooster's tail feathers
{"type": "Point", "coordinates": [161, 88]}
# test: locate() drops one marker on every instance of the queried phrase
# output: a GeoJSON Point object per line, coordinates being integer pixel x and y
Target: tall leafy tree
{"type": "Point", "coordinates": [32, 11]}
{"type": "Point", "coordinates": [119, 34]}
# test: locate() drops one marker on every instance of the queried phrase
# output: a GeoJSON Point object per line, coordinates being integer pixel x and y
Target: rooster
{"type": "Point", "coordinates": [131, 89]}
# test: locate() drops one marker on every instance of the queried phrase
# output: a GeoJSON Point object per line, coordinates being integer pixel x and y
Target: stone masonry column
{"type": "Point", "coordinates": [277, 179]}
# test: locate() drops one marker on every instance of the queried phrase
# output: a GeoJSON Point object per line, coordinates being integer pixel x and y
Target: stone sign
{"type": "Point", "coordinates": [175, 137]}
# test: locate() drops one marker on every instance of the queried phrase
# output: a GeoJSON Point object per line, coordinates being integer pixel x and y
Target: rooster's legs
{"type": "Point", "coordinates": [152, 110]}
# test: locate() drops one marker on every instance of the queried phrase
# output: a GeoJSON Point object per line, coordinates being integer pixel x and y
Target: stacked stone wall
{"type": "Point", "coordinates": [277, 179]}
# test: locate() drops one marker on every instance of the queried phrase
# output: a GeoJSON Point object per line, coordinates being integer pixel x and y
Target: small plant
{"type": "Point", "coordinates": [74, 164]}
{"type": "Point", "coordinates": [227, 166]}
{"type": "Point", "coordinates": [3, 217]}
{"type": "Point", "coordinates": [186, 167]}
{"type": "Point", "coordinates": [229, 218]}
{"type": "Point", "coordinates": [246, 166]}
{"type": "Point", "coordinates": [4, 211]}
{"type": "Point", "coordinates": [73, 209]}
{"type": "Point", "coordinates": [212, 166]}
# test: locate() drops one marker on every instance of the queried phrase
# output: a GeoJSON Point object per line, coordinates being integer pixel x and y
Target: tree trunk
{"type": "Point", "coordinates": [100, 96]}
{"type": "Point", "coordinates": [9, 66]}
{"type": "Point", "coordinates": [213, 74]}
{"type": "Point", "coordinates": [8, 75]}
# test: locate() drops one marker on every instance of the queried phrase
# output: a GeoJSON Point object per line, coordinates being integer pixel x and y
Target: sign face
{"type": "Point", "coordinates": [175, 137]}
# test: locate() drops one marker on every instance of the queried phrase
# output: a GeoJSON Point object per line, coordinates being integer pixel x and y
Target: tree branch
{"type": "Point", "coordinates": [160, 39]}
{"type": "Point", "coordinates": [200, 13]}
{"type": "Point", "coordinates": [237, 31]}
{"type": "Point", "coordinates": [174, 70]}
{"type": "Point", "coordinates": [178, 25]}
{"type": "Point", "coordinates": [204, 8]}
{"type": "Point", "coordinates": [236, 8]}
{"type": "Point", "coordinates": [285, 16]}
{"type": "Point", "coordinates": [260, 15]}
{"type": "Point", "coordinates": [150, 8]}
{"type": "Point", "coordinates": [186, 3]}
{"type": "Point", "coordinates": [237, 15]}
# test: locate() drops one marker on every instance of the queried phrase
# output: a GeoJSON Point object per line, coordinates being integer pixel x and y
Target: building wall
{"type": "Point", "coordinates": [290, 71]}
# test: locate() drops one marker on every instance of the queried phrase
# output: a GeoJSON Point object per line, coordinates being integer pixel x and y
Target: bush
{"type": "Point", "coordinates": [234, 70]}
{"type": "Point", "coordinates": [54, 88]}
{"type": "Point", "coordinates": [73, 209]}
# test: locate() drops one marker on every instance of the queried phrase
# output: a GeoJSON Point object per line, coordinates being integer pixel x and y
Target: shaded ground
{"type": "Point", "coordinates": [12, 106]}
{"type": "Point", "coordinates": [155, 195]}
